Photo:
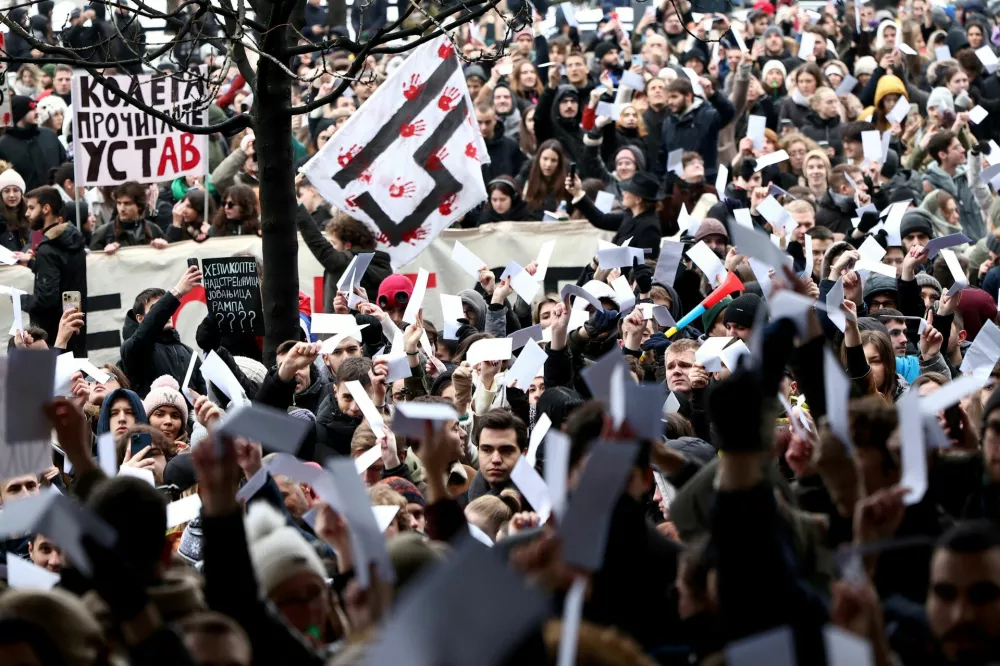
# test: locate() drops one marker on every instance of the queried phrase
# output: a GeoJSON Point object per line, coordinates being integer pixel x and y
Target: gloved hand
{"type": "Point", "coordinates": [868, 221]}
{"type": "Point", "coordinates": [208, 336]}
{"type": "Point", "coordinates": [600, 322]}
{"type": "Point", "coordinates": [981, 148]}
{"type": "Point", "coordinates": [657, 342]}
{"type": "Point", "coordinates": [643, 275]}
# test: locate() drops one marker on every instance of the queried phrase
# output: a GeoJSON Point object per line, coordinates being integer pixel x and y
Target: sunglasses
{"type": "Point", "coordinates": [400, 298]}
{"type": "Point", "coordinates": [231, 204]}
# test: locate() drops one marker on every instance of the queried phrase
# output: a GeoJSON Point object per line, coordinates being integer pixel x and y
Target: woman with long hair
{"type": "Point", "coordinates": [545, 186]}
{"type": "Point", "coordinates": [189, 221]}
{"type": "Point", "coordinates": [28, 81]}
{"type": "Point", "coordinates": [526, 85]}
{"type": "Point", "coordinates": [505, 203]}
{"type": "Point", "coordinates": [239, 215]}
{"type": "Point", "coordinates": [870, 360]}
{"type": "Point", "coordinates": [526, 135]}
{"type": "Point", "coordinates": [807, 78]}
{"type": "Point", "coordinates": [15, 232]}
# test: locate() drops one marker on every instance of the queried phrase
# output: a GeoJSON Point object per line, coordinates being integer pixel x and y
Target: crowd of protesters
{"type": "Point", "coordinates": [763, 502]}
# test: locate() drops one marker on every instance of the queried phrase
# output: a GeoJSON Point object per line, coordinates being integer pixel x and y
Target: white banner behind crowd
{"type": "Point", "coordinates": [115, 142]}
{"type": "Point", "coordinates": [113, 281]}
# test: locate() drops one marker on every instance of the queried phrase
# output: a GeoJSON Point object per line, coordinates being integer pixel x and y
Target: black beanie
{"type": "Point", "coordinates": [602, 49]}
{"type": "Point", "coordinates": [20, 105]}
{"type": "Point", "coordinates": [742, 311]}
{"type": "Point", "coordinates": [916, 220]}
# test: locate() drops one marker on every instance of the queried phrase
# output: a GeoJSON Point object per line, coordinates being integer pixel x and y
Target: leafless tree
{"type": "Point", "coordinates": [262, 39]}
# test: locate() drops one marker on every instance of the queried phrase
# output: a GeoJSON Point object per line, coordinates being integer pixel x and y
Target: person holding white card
{"type": "Point", "coordinates": [346, 239]}
{"type": "Point", "coordinates": [695, 124]}
{"type": "Point", "coordinates": [151, 346]}
{"type": "Point", "coordinates": [638, 221]}
{"type": "Point", "coordinates": [950, 174]}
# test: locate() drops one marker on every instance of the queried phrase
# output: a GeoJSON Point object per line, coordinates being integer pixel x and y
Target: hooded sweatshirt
{"type": "Point", "coordinates": [550, 125]}
{"type": "Point", "coordinates": [104, 418]}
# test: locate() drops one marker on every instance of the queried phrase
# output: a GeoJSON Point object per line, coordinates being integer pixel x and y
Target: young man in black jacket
{"type": "Point", "coordinates": [152, 346]}
{"type": "Point", "coordinates": [60, 265]}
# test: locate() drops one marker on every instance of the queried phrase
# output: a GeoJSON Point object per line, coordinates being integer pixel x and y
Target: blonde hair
{"type": "Point", "coordinates": [491, 509]}
{"type": "Point", "coordinates": [821, 154]}
{"type": "Point", "coordinates": [814, 99]}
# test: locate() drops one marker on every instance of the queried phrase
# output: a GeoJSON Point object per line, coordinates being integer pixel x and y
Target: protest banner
{"type": "Point", "coordinates": [116, 142]}
{"type": "Point", "coordinates": [6, 118]}
{"type": "Point", "coordinates": [114, 281]}
{"type": "Point", "coordinates": [232, 293]}
{"type": "Point", "coordinates": [410, 164]}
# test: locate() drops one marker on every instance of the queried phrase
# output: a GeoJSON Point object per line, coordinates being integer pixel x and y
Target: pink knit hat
{"type": "Point", "coordinates": [165, 391]}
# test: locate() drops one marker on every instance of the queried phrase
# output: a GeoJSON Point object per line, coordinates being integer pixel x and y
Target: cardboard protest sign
{"type": "Point", "coordinates": [116, 142]}
{"type": "Point", "coordinates": [232, 290]}
{"type": "Point", "coordinates": [410, 165]}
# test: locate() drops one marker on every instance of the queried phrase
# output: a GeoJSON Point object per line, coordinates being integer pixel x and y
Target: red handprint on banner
{"type": "Point", "coordinates": [348, 154]}
{"type": "Point", "coordinates": [448, 98]}
{"type": "Point", "coordinates": [446, 50]}
{"type": "Point", "coordinates": [352, 202]}
{"type": "Point", "coordinates": [400, 189]}
{"type": "Point", "coordinates": [470, 151]}
{"type": "Point", "coordinates": [446, 203]}
{"type": "Point", "coordinates": [406, 130]}
{"type": "Point", "coordinates": [366, 176]}
{"type": "Point", "coordinates": [415, 87]}
{"type": "Point", "coordinates": [435, 160]}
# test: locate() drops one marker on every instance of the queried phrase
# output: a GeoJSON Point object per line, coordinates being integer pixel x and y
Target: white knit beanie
{"type": "Point", "coordinates": [277, 549]}
{"type": "Point", "coordinates": [49, 105]}
{"type": "Point", "coordinates": [11, 177]}
{"type": "Point", "coordinates": [253, 369]}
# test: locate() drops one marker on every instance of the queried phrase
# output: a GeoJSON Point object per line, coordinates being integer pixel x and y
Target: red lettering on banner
{"type": "Point", "coordinates": [168, 154]}
{"type": "Point", "coordinates": [190, 156]}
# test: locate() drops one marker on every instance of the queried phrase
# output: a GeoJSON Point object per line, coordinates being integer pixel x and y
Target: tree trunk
{"type": "Point", "coordinates": [273, 130]}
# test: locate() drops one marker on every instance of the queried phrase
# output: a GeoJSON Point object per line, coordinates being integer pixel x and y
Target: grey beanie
{"type": "Point", "coordinates": [879, 284]}
{"type": "Point", "coordinates": [939, 97]}
{"type": "Point", "coordinates": [928, 280]}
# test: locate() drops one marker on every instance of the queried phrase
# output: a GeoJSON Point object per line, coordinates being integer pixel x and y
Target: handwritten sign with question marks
{"type": "Point", "coordinates": [232, 291]}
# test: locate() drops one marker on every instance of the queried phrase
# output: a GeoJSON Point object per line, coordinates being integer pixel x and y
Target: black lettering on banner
{"type": "Point", "coordinates": [444, 182]}
{"type": "Point", "coordinates": [88, 87]}
{"type": "Point", "coordinates": [146, 146]}
{"type": "Point", "coordinates": [94, 152]}
{"type": "Point", "coordinates": [232, 292]}
{"type": "Point", "coordinates": [115, 146]}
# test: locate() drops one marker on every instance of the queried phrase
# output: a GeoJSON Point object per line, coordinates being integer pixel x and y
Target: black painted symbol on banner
{"type": "Point", "coordinates": [356, 160]}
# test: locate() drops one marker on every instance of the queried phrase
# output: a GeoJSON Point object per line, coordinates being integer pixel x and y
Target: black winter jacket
{"type": "Point", "coordinates": [335, 261]}
{"type": "Point", "coordinates": [506, 158]}
{"type": "Point", "coordinates": [824, 129]}
{"type": "Point", "coordinates": [60, 265]}
{"type": "Point", "coordinates": [33, 151]}
{"type": "Point", "coordinates": [644, 230]}
{"type": "Point", "coordinates": [150, 350]}
{"type": "Point", "coordinates": [697, 129]}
